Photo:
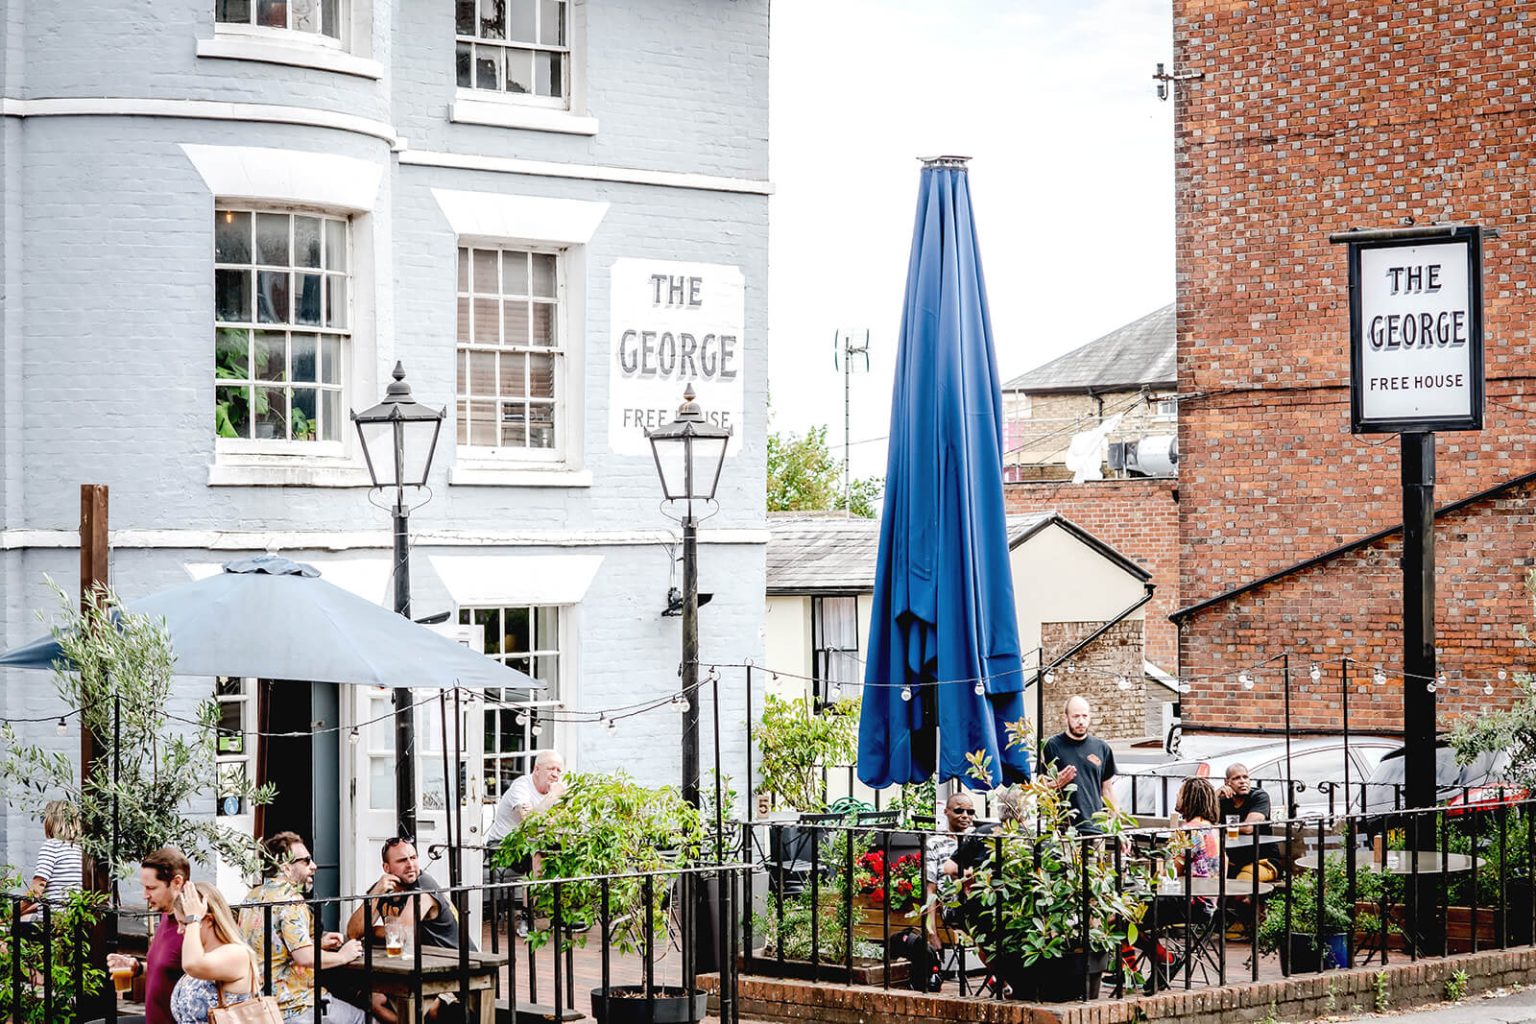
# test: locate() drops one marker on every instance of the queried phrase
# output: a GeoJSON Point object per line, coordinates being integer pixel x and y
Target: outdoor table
{"type": "Point", "coordinates": [1265, 843]}
{"type": "Point", "coordinates": [1400, 862]}
{"type": "Point", "coordinates": [395, 977]}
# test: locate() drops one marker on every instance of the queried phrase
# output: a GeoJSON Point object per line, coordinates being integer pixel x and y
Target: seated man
{"type": "Point", "coordinates": [289, 871]}
{"type": "Point", "coordinates": [416, 896]}
{"type": "Point", "coordinates": [1240, 799]}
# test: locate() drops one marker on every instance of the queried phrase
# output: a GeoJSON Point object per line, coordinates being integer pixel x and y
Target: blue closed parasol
{"type": "Point", "coordinates": [943, 616]}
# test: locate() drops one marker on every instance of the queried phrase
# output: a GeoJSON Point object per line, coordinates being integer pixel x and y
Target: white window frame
{"type": "Point", "coordinates": [243, 696]}
{"type": "Point", "coordinates": [500, 46]}
{"type": "Point", "coordinates": [535, 705]}
{"type": "Point", "coordinates": [821, 650]}
{"type": "Point", "coordinates": [287, 33]}
{"type": "Point", "coordinates": [499, 108]}
{"type": "Point", "coordinates": [348, 54]}
{"type": "Point", "coordinates": [334, 449]}
{"type": "Point", "coordinates": [1165, 407]}
{"type": "Point", "coordinates": [561, 417]}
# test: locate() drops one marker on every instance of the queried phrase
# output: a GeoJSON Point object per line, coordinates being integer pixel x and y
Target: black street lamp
{"type": "Point", "coordinates": [690, 452]}
{"type": "Point", "coordinates": [399, 438]}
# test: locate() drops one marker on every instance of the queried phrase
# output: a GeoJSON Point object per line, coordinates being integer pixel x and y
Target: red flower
{"type": "Point", "coordinates": [879, 895]}
{"type": "Point", "coordinates": [903, 887]}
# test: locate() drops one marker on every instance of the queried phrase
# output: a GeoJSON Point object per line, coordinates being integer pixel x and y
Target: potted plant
{"type": "Point", "coordinates": [67, 966]}
{"type": "Point", "coordinates": [1308, 947]}
{"type": "Point", "coordinates": [795, 742]}
{"type": "Point", "coordinates": [1026, 903]}
{"type": "Point", "coordinates": [887, 895]}
{"type": "Point", "coordinates": [610, 825]}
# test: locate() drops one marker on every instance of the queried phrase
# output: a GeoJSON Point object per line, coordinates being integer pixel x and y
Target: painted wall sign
{"type": "Point", "coordinates": [673, 324]}
{"type": "Point", "coordinates": [1416, 333]}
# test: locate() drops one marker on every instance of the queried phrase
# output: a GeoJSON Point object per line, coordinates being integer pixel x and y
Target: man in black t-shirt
{"type": "Point", "coordinates": [1084, 760]}
{"type": "Point", "coordinates": [1237, 796]}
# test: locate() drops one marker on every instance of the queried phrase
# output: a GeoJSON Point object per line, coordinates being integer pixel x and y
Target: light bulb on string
{"type": "Point", "coordinates": [1050, 676]}
{"type": "Point", "coordinates": [1316, 672]}
{"type": "Point", "coordinates": [1246, 680]}
{"type": "Point", "coordinates": [613, 725]}
{"type": "Point", "coordinates": [1503, 675]}
{"type": "Point", "coordinates": [522, 719]}
{"type": "Point", "coordinates": [1379, 677]}
{"type": "Point", "coordinates": [353, 736]}
{"type": "Point", "coordinates": [1123, 682]}
{"type": "Point", "coordinates": [63, 727]}
{"type": "Point", "coordinates": [906, 693]}
{"type": "Point", "coordinates": [537, 730]}
{"type": "Point", "coordinates": [980, 688]}
{"type": "Point", "coordinates": [1487, 689]}
{"type": "Point", "coordinates": [1071, 668]}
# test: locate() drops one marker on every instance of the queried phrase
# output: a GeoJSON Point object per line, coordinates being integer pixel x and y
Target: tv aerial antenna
{"type": "Point", "coordinates": [845, 349]}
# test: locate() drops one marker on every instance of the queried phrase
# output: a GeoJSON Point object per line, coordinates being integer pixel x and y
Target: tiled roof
{"type": "Point", "coordinates": [1140, 353]}
{"type": "Point", "coordinates": [825, 552]}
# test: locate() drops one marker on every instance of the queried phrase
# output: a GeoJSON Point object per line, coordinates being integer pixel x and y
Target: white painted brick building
{"type": "Point", "coordinates": [224, 221]}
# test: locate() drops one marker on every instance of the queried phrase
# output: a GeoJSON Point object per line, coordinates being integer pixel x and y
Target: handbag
{"type": "Point", "coordinates": [258, 1009]}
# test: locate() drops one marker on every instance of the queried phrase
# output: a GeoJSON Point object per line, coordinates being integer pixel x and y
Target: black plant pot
{"type": "Point", "coordinates": [626, 1004]}
{"type": "Point", "coordinates": [1304, 953]}
{"type": "Point", "coordinates": [1062, 980]}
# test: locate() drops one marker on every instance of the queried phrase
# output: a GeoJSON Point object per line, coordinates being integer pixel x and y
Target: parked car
{"type": "Point", "coordinates": [1463, 789]}
{"type": "Point", "coordinates": [1317, 774]}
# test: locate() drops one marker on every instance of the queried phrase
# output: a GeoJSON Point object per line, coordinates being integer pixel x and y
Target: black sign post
{"type": "Point", "coordinates": [1416, 366]}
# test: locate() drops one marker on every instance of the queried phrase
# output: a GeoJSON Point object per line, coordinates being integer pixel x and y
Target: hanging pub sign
{"type": "Point", "coordinates": [1416, 329]}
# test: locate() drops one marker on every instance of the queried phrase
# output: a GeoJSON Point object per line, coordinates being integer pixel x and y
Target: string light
{"type": "Point", "coordinates": [537, 730]}
{"type": "Point", "coordinates": [63, 726]}
{"type": "Point", "coordinates": [1503, 675]}
{"type": "Point", "coordinates": [613, 725]}
{"type": "Point", "coordinates": [1050, 675]}
{"type": "Point", "coordinates": [1487, 689]}
{"type": "Point", "coordinates": [906, 693]}
{"type": "Point", "coordinates": [1379, 677]}
{"type": "Point", "coordinates": [1123, 682]}
{"type": "Point", "coordinates": [1071, 668]}
{"type": "Point", "coordinates": [1316, 673]}
{"type": "Point", "coordinates": [353, 736]}
{"type": "Point", "coordinates": [522, 719]}
{"type": "Point", "coordinates": [980, 688]}
{"type": "Point", "coordinates": [1246, 680]}
{"type": "Point", "coordinates": [1436, 683]}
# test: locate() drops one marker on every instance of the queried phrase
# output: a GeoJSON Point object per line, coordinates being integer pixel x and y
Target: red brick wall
{"type": "Point", "coordinates": [1139, 518]}
{"type": "Point", "coordinates": [1351, 606]}
{"type": "Point", "coordinates": [1312, 119]}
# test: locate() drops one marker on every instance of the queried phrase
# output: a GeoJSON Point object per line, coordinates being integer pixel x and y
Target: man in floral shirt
{"type": "Point", "coordinates": [289, 871]}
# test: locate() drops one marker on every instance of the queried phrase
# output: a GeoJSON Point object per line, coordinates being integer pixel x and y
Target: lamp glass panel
{"type": "Point", "coordinates": [708, 454]}
{"type": "Point", "coordinates": [378, 441]}
{"type": "Point", "coordinates": [418, 436]}
{"type": "Point", "coordinates": [671, 456]}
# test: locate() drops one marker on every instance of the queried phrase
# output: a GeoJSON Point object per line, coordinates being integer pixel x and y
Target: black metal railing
{"type": "Point", "coordinates": [1318, 892]}
{"type": "Point", "coordinates": [579, 925]}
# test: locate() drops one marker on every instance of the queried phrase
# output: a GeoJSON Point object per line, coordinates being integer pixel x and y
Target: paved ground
{"type": "Point", "coordinates": [1497, 1008]}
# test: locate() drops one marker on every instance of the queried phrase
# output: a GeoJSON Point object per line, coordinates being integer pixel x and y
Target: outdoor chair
{"type": "Point", "coordinates": [791, 853]}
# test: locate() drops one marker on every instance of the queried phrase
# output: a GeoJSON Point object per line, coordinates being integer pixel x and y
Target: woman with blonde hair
{"type": "Point", "coordinates": [214, 956]}
{"type": "Point", "coordinates": [59, 862]}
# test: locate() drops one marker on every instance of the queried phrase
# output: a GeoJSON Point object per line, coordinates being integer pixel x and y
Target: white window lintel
{"type": "Point", "coordinates": [287, 176]}
{"type": "Point", "coordinates": [508, 218]}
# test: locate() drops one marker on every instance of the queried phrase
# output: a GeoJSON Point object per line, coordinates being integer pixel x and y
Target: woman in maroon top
{"type": "Point", "coordinates": [163, 873]}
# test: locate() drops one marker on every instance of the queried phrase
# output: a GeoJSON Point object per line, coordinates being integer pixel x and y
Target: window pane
{"type": "Point", "coordinates": [552, 23]}
{"type": "Point", "coordinates": [493, 19]}
{"type": "Point", "coordinates": [546, 633]}
{"type": "Point", "coordinates": [485, 271]}
{"type": "Point", "coordinates": [487, 67]}
{"type": "Point", "coordinates": [237, 11]}
{"type": "Point", "coordinates": [463, 321]}
{"type": "Point", "coordinates": [307, 309]}
{"type": "Point", "coordinates": [232, 295]}
{"type": "Point", "coordinates": [516, 329]}
{"type": "Point", "coordinates": [541, 376]}
{"type": "Point", "coordinates": [335, 301]}
{"type": "Point", "coordinates": [520, 71]}
{"type": "Point", "coordinates": [514, 429]}
{"type": "Point", "coordinates": [522, 27]}
{"type": "Point", "coordinates": [541, 426]}
{"type": "Point", "coordinates": [513, 367]}
{"type": "Point", "coordinates": [306, 15]}
{"type": "Point", "coordinates": [304, 415]}
{"type": "Point", "coordinates": [306, 241]}
{"type": "Point", "coordinates": [543, 275]}
{"type": "Point", "coordinates": [330, 18]}
{"type": "Point", "coordinates": [304, 362]}
{"type": "Point", "coordinates": [271, 413]}
{"type": "Point", "coordinates": [518, 638]}
{"type": "Point", "coordinates": [272, 13]}
{"type": "Point", "coordinates": [381, 783]}
{"type": "Point", "coordinates": [335, 245]}
{"type": "Point", "coordinates": [463, 270]}
{"type": "Point", "coordinates": [272, 296]}
{"type": "Point", "coordinates": [330, 416]}
{"type": "Point", "coordinates": [482, 424]}
{"type": "Point", "coordinates": [231, 414]}
{"type": "Point", "coordinates": [231, 354]}
{"type": "Point", "coordinates": [548, 73]}
{"type": "Point", "coordinates": [464, 62]}
{"type": "Point", "coordinates": [330, 360]}
{"type": "Point", "coordinates": [232, 237]}
{"type": "Point", "coordinates": [272, 239]}
{"type": "Point", "coordinates": [486, 330]}
{"type": "Point", "coordinates": [271, 356]}
{"type": "Point", "coordinates": [543, 332]}
{"type": "Point", "coordinates": [482, 373]}
{"type": "Point", "coordinates": [546, 669]}
{"type": "Point", "coordinates": [464, 17]}
{"type": "Point", "coordinates": [514, 273]}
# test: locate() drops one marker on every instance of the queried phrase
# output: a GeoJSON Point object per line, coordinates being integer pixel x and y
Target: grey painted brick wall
{"type": "Point", "coordinates": [106, 318]}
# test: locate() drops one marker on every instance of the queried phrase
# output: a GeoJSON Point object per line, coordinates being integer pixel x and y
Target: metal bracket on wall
{"type": "Point", "coordinates": [1163, 77]}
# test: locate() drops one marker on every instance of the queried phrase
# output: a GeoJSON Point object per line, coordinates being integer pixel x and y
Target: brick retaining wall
{"type": "Point", "coordinates": [1295, 999]}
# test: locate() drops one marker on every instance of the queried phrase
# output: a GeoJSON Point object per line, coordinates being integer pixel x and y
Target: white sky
{"type": "Point", "coordinates": [1071, 180]}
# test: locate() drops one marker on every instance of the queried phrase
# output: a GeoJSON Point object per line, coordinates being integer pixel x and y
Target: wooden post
{"type": "Point", "coordinates": [93, 578]}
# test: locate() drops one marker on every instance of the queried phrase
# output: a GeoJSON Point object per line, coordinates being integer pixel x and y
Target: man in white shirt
{"type": "Point", "coordinates": [528, 794]}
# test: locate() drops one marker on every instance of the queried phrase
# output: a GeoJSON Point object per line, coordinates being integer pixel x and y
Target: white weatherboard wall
{"type": "Point", "coordinates": [1058, 578]}
{"type": "Point", "coordinates": [116, 147]}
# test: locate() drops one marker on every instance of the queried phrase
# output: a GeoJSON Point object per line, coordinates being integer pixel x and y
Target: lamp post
{"type": "Point", "coordinates": [399, 438]}
{"type": "Point", "coordinates": [689, 453]}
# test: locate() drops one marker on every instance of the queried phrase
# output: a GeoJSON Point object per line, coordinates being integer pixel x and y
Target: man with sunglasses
{"type": "Point", "coordinates": [288, 872]}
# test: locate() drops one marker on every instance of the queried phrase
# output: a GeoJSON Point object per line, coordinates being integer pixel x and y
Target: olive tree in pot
{"type": "Point", "coordinates": [1024, 907]}
{"type": "Point", "coordinates": [610, 825]}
